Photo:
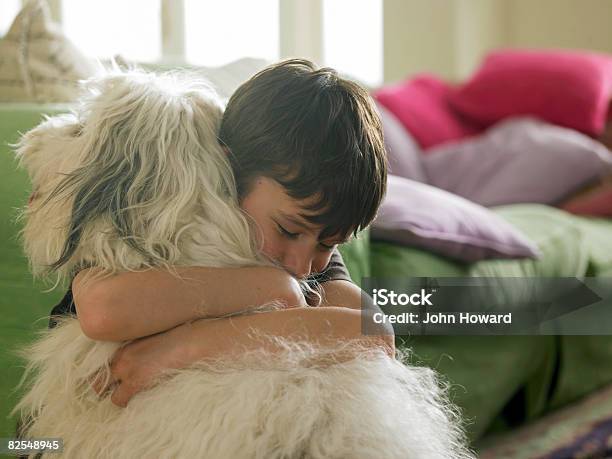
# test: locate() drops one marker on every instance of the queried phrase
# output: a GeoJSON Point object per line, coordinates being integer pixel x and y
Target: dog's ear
{"type": "Point", "coordinates": [44, 151]}
{"type": "Point", "coordinates": [149, 153]}
{"type": "Point", "coordinates": [48, 153]}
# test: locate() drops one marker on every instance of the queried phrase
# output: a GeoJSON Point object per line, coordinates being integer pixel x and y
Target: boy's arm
{"type": "Point", "coordinates": [342, 293]}
{"type": "Point", "coordinates": [211, 339]}
{"type": "Point", "coordinates": [326, 326]}
{"type": "Point", "coordinates": [136, 304]}
{"type": "Point", "coordinates": [339, 290]}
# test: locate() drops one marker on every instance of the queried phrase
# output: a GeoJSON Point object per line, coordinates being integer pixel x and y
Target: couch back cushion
{"type": "Point", "coordinates": [38, 63]}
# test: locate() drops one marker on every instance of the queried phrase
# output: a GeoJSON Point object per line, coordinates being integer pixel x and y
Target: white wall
{"type": "Point", "coordinates": [301, 29]}
{"type": "Point", "coordinates": [450, 37]}
{"type": "Point", "coordinates": [562, 23]}
{"type": "Point", "coordinates": [417, 36]}
{"type": "Point", "coordinates": [480, 26]}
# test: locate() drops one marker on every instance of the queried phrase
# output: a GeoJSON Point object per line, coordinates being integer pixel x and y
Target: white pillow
{"type": "Point", "coordinates": [37, 62]}
{"type": "Point", "coordinates": [225, 78]}
{"type": "Point", "coordinates": [228, 77]}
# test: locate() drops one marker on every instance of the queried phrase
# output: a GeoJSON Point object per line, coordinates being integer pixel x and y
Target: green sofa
{"type": "Point", "coordinates": [495, 380]}
{"type": "Point", "coordinates": [501, 381]}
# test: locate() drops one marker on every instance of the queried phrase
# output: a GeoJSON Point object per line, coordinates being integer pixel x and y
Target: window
{"type": "Point", "coordinates": [344, 34]}
{"type": "Point", "coordinates": [8, 11]}
{"type": "Point", "coordinates": [218, 32]}
{"type": "Point", "coordinates": [353, 38]}
{"type": "Point", "coordinates": [106, 28]}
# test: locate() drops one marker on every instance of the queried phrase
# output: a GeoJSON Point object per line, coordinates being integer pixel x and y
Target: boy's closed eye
{"type": "Point", "coordinates": [285, 232]}
{"type": "Point", "coordinates": [291, 235]}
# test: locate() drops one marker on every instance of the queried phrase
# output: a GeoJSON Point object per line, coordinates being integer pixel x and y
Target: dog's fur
{"type": "Point", "coordinates": [133, 179]}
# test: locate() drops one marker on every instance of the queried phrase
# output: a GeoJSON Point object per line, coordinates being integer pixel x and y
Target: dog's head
{"type": "Point", "coordinates": [134, 178]}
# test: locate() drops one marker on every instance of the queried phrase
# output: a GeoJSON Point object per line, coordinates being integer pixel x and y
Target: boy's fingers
{"type": "Point", "coordinates": [122, 395]}
{"type": "Point", "coordinates": [97, 383]}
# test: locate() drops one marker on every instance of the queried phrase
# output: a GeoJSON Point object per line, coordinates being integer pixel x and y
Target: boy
{"type": "Point", "coordinates": [307, 152]}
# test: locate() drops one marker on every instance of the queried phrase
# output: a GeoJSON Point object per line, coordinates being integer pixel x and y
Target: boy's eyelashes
{"type": "Point", "coordinates": [285, 232]}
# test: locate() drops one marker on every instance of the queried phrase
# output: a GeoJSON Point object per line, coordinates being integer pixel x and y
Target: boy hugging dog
{"type": "Point", "coordinates": [193, 240]}
{"type": "Point", "coordinates": [306, 149]}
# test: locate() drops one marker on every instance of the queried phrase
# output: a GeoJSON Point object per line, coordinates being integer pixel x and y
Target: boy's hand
{"type": "Point", "coordinates": [135, 366]}
{"type": "Point", "coordinates": [345, 294]}
{"type": "Point", "coordinates": [291, 293]}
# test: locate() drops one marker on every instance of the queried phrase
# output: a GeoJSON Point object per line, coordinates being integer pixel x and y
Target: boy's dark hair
{"type": "Point", "coordinates": [315, 133]}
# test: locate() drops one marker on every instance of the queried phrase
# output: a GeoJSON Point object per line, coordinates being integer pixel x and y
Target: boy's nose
{"type": "Point", "coordinates": [298, 264]}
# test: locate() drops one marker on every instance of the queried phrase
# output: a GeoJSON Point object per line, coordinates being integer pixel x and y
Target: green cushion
{"type": "Point", "coordinates": [597, 233]}
{"type": "Point", "coordinates": [28, 306]}
{"type": "Point", "coordinates": [487, 371]}
{"type": "Point", "coordinates": [356, 256]}
{"type": "Point", "coordinates": [585, 358]}
{"type": "Point", "coordinates": [557, 234]}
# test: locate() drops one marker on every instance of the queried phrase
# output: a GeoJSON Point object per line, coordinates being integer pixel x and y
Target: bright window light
{"type": "Point", "coordinates": [352, 38]}
{"type": "Point", "coordinates": [218, 32]}
{"type": "Point", "coordinates": [104, 29]}
{"type": "Point", "coordinates": [8, 11]}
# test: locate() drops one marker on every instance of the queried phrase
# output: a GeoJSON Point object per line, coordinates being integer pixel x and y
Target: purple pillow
{"type": "Point", "coordinates": [518, 160]}
{"type": "Point", "coordinates": [420, 215]}
{"type": "Point", "coordinates": [403, 152]}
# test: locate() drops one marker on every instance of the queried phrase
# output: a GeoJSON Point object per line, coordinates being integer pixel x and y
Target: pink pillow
{"type": "Point", "coordinates": [571, 89]}
{"type": "Point", "coordinates": [596, 203]}
{"type": "Point", "coordinates": [421, 105]}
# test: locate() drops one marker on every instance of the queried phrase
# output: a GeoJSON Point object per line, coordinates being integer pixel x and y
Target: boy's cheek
{"type": "Point", "coordinates": [270, 249]}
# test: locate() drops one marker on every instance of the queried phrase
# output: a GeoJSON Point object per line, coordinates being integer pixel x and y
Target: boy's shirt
{"type": "Point", "coordinates": [335, 270]}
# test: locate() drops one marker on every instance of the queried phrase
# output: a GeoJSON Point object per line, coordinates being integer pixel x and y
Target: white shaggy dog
{"type": "Point", "coordinates": [135, 178]}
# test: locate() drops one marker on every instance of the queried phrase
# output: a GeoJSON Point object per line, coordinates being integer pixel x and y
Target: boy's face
{"type": "Point", "coordinates": [286, 237]}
